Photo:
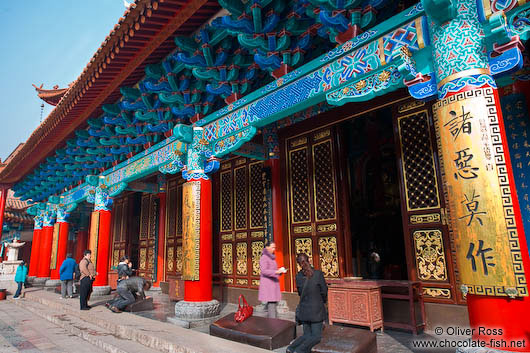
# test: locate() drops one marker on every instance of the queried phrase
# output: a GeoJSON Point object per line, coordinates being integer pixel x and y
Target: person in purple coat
{"type": "Point", "coordinates": [269, 284]}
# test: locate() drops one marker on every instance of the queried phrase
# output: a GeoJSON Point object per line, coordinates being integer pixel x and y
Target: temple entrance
{"type": "Point", "coordinates": [378, 249]}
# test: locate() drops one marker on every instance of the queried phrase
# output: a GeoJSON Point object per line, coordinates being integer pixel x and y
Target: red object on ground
{"type": "Point", "coordinates": [102, 262]}
{"type": "Point", "coordinates": [46, 252]}
{"type": "Point", "coordinates": [61, 249]}
{"type": "Point", "coordinates": [201, 290]}
{"type": "Point", "coordinates": [35, 252]}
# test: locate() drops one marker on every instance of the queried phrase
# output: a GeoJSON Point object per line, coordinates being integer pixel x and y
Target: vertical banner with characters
{"type": "Point", "coordinates": [517, 126]}
{"type": "Point", "coordinates": [55, 246]}
{"type": "Point", "coordinates": [267, 204]}
{"type": "Point", "coordinates": [478, 193]}
{"type": "Point", "coordinates": [191, 230]}
{"type": "Point", "coordinates": [94, 236]}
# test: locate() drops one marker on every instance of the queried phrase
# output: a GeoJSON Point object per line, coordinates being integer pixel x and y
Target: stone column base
{"type": "Point", "coordinates": [52, 283]}
{"type": "Point", "coordinates": [194, 314]}
{"type": "Point", "coordinates": [479, 350]}
{"type": "Point", "coordinates": [100, 291]}
{"type": "Point", "coordinates": [40, 280]}
{"type": "Point", "coordinates": [31, 279]}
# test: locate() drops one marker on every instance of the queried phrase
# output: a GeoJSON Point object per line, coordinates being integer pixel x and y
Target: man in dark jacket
{"type": "Point", "coordinates": [124, 268]}
{"type": "Point", "coordinates": [66, 273]}
{"type": "Point", "coordinates": [128, 289]}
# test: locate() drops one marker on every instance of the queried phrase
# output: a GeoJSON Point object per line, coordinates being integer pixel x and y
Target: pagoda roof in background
{"type": "Point", "coordinates": [15, 211]}
{"type": "Point", "coordinates": [51, 96]}
{"type": "Point", "coordinates": [144, 35]}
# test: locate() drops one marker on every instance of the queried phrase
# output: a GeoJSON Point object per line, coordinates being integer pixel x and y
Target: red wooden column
{"type": "Point", "coordinates": [43, 270]}
{"type": "Point", "coordinates": [62, 244]}
{"type": "Point", "coordinates": [35, 247]}
{"type": "Point", "coordinates": [102, 262]}
{"type": "Point", "coordinates": [270, 138]}
{"type": "Point", "coordinates": [198, 304]}
{"type": "Point", "coordinates": [201, 290]}
{"type": "Point", "coordinates": [3, 199]}
{"type": "Point", "coordinates": [102, 211]}
{"type": "Point", "coordinates": [160, 264]}
{"type": "Point", "coordinates": [277, 216]}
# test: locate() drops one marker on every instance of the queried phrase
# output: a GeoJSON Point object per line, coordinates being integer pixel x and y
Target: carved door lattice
{"type": "Point", "coordinates": [148, 236]}
{"type": "Point", "coordinates": [241, 229]}
{"type": "Point", "coordinates": [313, 199]}
{"type": "Point", "coordinates": [174, 227]}
{"type": "Point", "coordinates": [424, 220]}
{"type": "Point", "coordinates": [119, 230]}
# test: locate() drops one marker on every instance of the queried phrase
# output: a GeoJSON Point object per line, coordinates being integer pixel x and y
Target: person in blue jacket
{"type": "Point", "coordinates": [20, 278]}
{"type": "Point", "coordinates": [66, 273]}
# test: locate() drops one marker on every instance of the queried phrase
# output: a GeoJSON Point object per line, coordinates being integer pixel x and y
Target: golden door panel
{"type": "Point", "coordinates": [241, 214]}
{"type": "Point", "coordinates": [313, 199]}
{"type": "Point", "coordinates": [421, 185]}
{"type": "Point", "coordinates": [148, 235]}
{"type": "Point", "coordinates": [430, 257]}
{"type": "Point", "coordinates": [174, 226]}
{"type": "Point", "coordinates": [424, 222]}
{"type": "Point", "coordinates": [227, 259]}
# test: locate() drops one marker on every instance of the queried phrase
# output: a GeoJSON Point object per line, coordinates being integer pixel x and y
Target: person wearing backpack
{"type": "Point", "coordinates": [66, 273]}
{"type": "Point", "coordinates": [20, 278]}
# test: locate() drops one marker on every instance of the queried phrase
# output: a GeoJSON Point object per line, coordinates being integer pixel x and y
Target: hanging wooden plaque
{"type": "Point", "coordinates": [481, 210]}
{"type": "Point", "coordinates": [191, 228]}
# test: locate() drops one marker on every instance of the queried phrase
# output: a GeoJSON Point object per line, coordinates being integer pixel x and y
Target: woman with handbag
{"type": "Point", "coordinates": [269, 284]}
{"type": "Point", "coordinates": [311, 311]}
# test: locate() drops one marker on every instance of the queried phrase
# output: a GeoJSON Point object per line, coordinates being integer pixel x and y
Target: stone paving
{"type": "Point", "coordinates": [22, 331]}
{"type": "Point", "coordinates": [391, 341]}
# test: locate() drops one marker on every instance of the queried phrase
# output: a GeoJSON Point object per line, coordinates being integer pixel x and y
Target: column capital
{"type": "Point", "coordinates": [102, 200]}
{"type": "Point", "coordinates": [62, 213]}
{"type": "Point", "coordinates": [37, 222]}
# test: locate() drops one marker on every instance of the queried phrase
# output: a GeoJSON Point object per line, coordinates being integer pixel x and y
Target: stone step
{"type": "Point", "coordinates": [160, 336]}
{"type": "Point", "coordinates": [93, 334]}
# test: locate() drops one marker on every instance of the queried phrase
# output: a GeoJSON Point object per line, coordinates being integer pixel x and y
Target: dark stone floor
{"type": "Point", "coordinates": [391, 341]}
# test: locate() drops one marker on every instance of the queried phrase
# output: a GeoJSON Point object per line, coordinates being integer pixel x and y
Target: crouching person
{"type": "Point", "coordinates": [128, 290]}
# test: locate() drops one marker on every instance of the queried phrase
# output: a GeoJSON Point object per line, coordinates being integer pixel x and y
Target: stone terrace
{"type": "Point", "coordinates": [150, 332]}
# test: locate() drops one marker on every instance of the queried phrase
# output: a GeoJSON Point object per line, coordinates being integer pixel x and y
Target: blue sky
{"type": "Point", "coordinates": [49, 42]}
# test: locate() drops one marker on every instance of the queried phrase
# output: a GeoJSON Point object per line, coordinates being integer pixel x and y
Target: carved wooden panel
{"type": "Point", "coordinates": [241, 200]}
{"type": "Point", "coordinates": [324, 182]}
{"type": "Point", "coordinates": [119, 230]}
{"type": "Point", "coordinates": [429, 257]}
{"type": "Point", "coordinates": [174, 227]}
{"type": "Point", "coordinates": [256, 195]}
{"type": "Point", "coordinates": [299, 185]}
{"type": "Point", "coordinates": [227, 259]}
{"type": "Point", "coordinates": [313, 198]}
{"type": "Point", "coordinates": [148, 235]}
{"type": "Point", "coordinates": [240, 210]}
{"type": "Point", "coordinates": [358, 304]}
{"type": "Point", "coordinates": [419, 170]}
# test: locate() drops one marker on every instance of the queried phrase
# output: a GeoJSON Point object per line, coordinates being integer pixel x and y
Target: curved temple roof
{"type": "Point", "coordinates": [150, 74]}
{"type": "Point", "coordinates": [51, 96]}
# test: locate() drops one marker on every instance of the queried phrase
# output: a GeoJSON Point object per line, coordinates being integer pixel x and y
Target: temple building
{"type": "Point", "coordinates": [388, 140]}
